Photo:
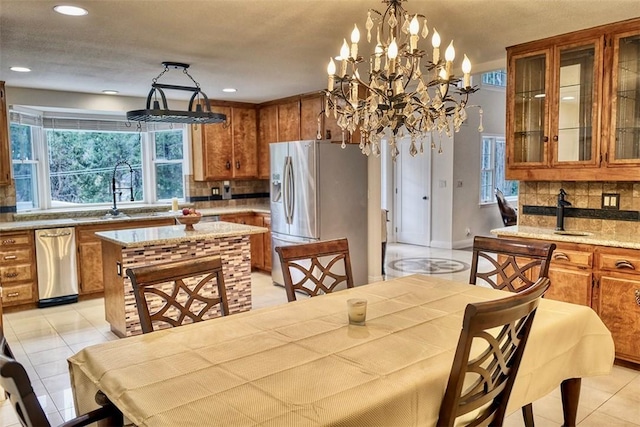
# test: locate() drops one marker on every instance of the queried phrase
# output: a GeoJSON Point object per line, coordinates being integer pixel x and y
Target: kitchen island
{"type": "Point", "coordinates": [123, 249]}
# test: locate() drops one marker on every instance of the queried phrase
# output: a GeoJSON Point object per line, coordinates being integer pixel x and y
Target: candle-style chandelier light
{"type": "Point", "coordinates": [404, 94]}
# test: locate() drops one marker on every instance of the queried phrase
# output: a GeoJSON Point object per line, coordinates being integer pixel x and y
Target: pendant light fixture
{"type": "Point", "coordinates": [199, 107]}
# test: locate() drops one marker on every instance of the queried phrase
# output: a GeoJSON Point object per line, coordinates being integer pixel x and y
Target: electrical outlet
{"type": "Point", "coordinates": [215, 191]}
{"type": "Point", "coordinates": [610, 201]}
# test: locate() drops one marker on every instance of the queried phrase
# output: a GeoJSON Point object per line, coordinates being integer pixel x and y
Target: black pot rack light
{"type": "Point", "coordinates": [195, 115]}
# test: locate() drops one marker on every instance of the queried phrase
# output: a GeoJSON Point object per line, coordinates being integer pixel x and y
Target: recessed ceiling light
{"type": "Point", "coordinates": [20, 69]}
{"type": "Point", "coordinates": [229, 90]}
{"type": "Point", "coordinates": [110, 92]}
{"type": "Point", "coordinates": [70, 10]}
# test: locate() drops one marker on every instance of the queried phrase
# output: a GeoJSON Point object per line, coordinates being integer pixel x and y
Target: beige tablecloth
{"type": "Point", "coordinates": [301, 364]}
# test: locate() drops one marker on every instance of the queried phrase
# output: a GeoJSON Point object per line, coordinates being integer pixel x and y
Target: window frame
{"type": "Point", "coordinates": [494, 139]}
{"type": "Point", "coordinates": [147, 142]}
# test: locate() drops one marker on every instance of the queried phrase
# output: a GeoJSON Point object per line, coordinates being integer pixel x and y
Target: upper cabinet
{"type": "Point", "coordinates": [571, 111]}
{"type": "Point", "coordinates": [5, 158]}
{"type": "Point", "coordinates": [226, 151]}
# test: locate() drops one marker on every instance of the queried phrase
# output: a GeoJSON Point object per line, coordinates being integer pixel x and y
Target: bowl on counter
{"type": "Point", "coordinates": [188, 221]}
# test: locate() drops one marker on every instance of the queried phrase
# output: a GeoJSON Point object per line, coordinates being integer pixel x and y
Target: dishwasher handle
{"type": "Point", "coordinates": [64, 233]}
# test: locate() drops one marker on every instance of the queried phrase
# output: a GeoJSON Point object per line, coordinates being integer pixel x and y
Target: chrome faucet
{"type": "Point", "coordinates": [562, 203]}
{"type": "Point", "coordinates": [115, 190]}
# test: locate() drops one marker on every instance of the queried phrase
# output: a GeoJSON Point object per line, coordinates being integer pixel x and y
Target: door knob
{"type": "Point", "coordinates": [425, 198]}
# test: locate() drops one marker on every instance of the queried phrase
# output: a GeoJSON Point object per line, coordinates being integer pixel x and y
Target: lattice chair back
{"type": "Point", "coordinates": [179, 292]}
{"type": "Point", "coordinates": [316, 268]}
{"type": "Point", "coordinates": [492, 341]}
{"type": "Point", "coordinates": [512, 265]}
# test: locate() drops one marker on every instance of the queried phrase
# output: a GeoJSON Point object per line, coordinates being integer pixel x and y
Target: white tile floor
{"type": "Point", "coordinates": [43, 339]}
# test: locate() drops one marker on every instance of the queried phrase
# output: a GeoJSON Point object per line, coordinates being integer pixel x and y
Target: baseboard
{"type": "Point", "coordinates": [440, 244]}
{"type": "Point", "coordinates": [462, 244]}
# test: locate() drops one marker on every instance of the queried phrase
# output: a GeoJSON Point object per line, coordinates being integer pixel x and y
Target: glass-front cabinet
{"type": "Point", "coordinates": [553, 98]}
{"type": "Point", "coordinates": [624, 147]}
{"type": "Point", "coordinates": [573, 106]}
{"type": "Point", "coordinates": [529, 132]}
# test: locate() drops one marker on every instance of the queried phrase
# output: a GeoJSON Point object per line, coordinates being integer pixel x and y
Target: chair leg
{"type": "Point", "coordinates": [527, 414]}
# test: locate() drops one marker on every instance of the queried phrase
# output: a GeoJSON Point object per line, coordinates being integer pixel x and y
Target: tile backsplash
{"type": "Point", "coordinates": [584, 195]}
{"type": "Point", "coordinates": [245, 192]}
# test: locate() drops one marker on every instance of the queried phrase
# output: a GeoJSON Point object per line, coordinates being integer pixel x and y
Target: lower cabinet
{"type": "Point", "coordinates": [618, 302]}
{"type": "Point", "coordinates": [90, 250]}
{"type": "Point", "coordinates": [18, 275]}
{"type": "Point", "coordinates": [606, 279]}
{"type": "Point", "coordinates": [260, 243]}
{"type": "Point", "coordinates": [571, 274]}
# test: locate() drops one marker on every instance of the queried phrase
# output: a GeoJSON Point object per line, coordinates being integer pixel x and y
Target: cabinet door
{"type": "Point", "coordinates": [257, 243]}
{"type": "Point", "coordinates": [570, 285]}
{"type": "Point", "coordinates": [217, 148]}
{"type": "Point", "coordinates": [577, 90]}
{"type": "Point", "coordinates": [619, 309]}
{"type": "Point", "coordinates": [289, 121]}
{"type": "Point", "coordinates": [90, 267]}
{"type": "Point", "coordinates": [624, 143]}
{"type": "Point", "coordinates": [527, 109]}
{"type": "Point", "coordinates": [5, 162]}
{"type": "Point", "coordinates": [245, 139]}
{"type": "Point", "coordinates": [311, 118]}
{"type": "Point", "coordinates": [268, 133]}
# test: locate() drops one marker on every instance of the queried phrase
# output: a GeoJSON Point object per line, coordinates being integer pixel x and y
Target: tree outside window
{"type": "Point", "coordinates": [168, 158]}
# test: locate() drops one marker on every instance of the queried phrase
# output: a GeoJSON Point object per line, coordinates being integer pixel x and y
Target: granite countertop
{"type": "Point", "coordinates": [138, 237]}
{"type": "Point", "coordinates": [590, 238]}
{"type": "Point", "coordinates": [32, 221]}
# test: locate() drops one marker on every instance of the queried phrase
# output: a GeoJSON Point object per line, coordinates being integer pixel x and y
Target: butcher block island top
{"type": "Point", "coordinates": [123, 249]}
{"type": "Point", "coordinates": [139, 237]}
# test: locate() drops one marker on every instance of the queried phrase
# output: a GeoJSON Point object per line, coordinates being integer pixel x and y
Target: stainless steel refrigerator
{"type": "Point", "coordinates": [319, 192]}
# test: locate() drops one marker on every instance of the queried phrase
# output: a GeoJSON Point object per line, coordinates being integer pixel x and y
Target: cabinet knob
{"type": "Point", "coordinates": [545, 138]}
{"type": "Point", "coordinates": [237, 164]}
{"type": "Point", "coordinates": [637, 294]}
{"type": "Point", "coordinates": [8, 242]}
{"type": "Point", "coordinates": [13, 294]}
{"type": "Point", "coordinates": [12, 274]}
{"type": "Point", "coordinates": [228, 165]}
{"type": "Point", "coordinates": [555, 138]}
{"type": "Point", "coordinates": [10, 257]}
{"type": "Point", "coordinates": [623, 263]}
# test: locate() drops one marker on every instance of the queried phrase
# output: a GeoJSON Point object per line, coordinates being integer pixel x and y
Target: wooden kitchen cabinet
{"type": "Point", "coordinates": [571, 106]}
{"type": "Point", "coordinates": [260, 243]}
{"type": "Point", "coordinates": [226, 151]}
{"type": "Point", "coordinates": [606, 279]}
{"type": "Point", "coordinates": [89, 247]}
{"type": "Point", "coordinates": [289, 121]}
{"type": "Point", "coordinates": [618, 302]}
{"type": "Point", "coordinates": [267, 133]}
{"type": "Point", "coordinates": [5, 145]}
{"type": "Point", "coordinates": [571, 274]}
{"type": "Point", "coordinates": [18, 275]}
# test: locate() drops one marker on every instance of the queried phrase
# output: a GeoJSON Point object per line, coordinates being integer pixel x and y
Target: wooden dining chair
{"type": "Point", "coordinates": [17, 386]}
{"type": "Point", "coordinates": [513, 265]}
{"type": "Point", "coordinates": [481, 381]}
{"type": "Point", "coordinates": [315, 268]}
{"type": "Point", "coordinates": [508, 213]}
{"type": "Point", "coordinates": [179, 292]}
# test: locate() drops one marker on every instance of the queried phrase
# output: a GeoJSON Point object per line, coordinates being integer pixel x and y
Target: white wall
{"type": "Point", "coordinates": [468, 214]}
{"type": "Point", "coordinates": [441, 192]}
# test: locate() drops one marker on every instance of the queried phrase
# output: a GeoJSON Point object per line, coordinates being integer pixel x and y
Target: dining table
{"type": "Point", "coordinates": [303, 364]}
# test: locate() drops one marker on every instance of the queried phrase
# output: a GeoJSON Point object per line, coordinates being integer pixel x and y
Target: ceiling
{"type": "Point", "coordinates": [267, 49]}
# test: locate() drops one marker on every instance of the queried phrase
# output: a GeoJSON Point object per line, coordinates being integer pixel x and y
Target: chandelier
{"type": "Point", "coordinates": [405, 95]}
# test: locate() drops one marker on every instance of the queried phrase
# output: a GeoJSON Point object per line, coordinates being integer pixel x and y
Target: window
{"type": "Point", "coordinates": [25, 165]}
{"type": "Point", "coordinates": [492, 174]}
{"type": "Point", "coordinates": [495, 78]}
{"type": "Point", "coordinates": [73, 161]}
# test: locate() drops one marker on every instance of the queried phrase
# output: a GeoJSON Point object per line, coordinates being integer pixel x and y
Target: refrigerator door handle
{"type": "Point", "coordinates": [287, 190]}
{"type": "Point", "coordinates": [292, 193]}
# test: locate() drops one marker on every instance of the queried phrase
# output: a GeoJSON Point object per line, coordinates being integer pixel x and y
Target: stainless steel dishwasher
{"type": "Point", "coordinates": [56, 261]}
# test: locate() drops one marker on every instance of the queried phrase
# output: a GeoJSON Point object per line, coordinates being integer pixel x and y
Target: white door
{"type": "Point", "coordinates": [413, 195]}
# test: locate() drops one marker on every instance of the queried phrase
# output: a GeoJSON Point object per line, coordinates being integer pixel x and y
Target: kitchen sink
{"type": "Point", "coordinates": [571, 233]}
